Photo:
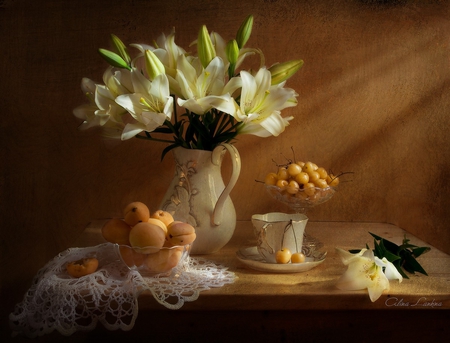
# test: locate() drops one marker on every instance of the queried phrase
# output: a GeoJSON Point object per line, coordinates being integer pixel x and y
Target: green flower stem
{"type": "Point", "coordinates": [178, 133]}
{"type": "Point", "coordinates": [175, 116]}
{"type": "Point", "coordinates": [202, 131]}
{"type": "Point", "coordinates": [222, 124]}
{"type": "Point", "coordinates": [228, 123]}
{"type": "Point", "coordinates": [150, 138]}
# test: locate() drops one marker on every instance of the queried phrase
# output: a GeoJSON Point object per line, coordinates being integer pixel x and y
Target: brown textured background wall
{"type": "Point", "coordinates": [374, 100]}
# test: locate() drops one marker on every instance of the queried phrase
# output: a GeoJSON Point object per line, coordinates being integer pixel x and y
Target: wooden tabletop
{"type": "Point", "coordinates": [314, 289]}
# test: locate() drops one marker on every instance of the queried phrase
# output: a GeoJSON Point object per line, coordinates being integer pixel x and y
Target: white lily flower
{"type": "Point", "coordinates": [166, 50]}
{"type": "Point", "coordinates": [107, 106]}
{"type": "Point", "coordinates": [86, 112]}
{"type": "Point", "coordinates": [220, 46]}
{"type": "Point", "coordinates": [102, 106]}
{"type": "Point", "coordinates": [365, 271]}
{"type": "Point", "coordinates": [150, 106]}
{"type": "Point", "coordinates": [389, 269]}
{"type": "Point", "coordinates": [118, 81]}
{"type": "Point", "coordinates": [203, 89]}
{"type": "Point", "coordinates": [261, 104]}
{"type": "Point", "coordinates": [164, 56]}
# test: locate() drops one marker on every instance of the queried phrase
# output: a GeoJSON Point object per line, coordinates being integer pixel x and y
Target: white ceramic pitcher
{"type": "Point", "coordinates": [197, 195]}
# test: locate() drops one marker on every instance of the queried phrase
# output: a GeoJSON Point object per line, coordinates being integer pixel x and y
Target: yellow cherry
{"type": "Point", "coordinates": [283, 256]}
{"type": "Point", "coordinates": [298, 257]}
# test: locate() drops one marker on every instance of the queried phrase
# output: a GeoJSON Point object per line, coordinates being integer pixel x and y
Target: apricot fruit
{"type": "Point", "coordinates": [164, 260]}
{"type": "Point", "coordinates": [180, 233]}
{"type": "Point", "coordinates": [147, 238]}
{"type": "Point", "coordinates": [130, 257]}
{"type": "Point", "coordinates": [136, 212]}
{"type": "Point", "coordinates": [164, 216]}
{"type": "Point", "coordinates": [82, 267]}
{"type": "Point", "coordinates": [116, 231]}
{"type": "Point", "coordinates": [159, 223]}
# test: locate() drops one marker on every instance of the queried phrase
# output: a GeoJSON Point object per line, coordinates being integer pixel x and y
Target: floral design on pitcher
{"type": "Point", "coordinates": [180, 201]}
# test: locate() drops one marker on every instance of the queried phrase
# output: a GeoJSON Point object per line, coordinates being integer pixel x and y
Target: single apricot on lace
{"type": "Point", "coordinates": [82, 267]}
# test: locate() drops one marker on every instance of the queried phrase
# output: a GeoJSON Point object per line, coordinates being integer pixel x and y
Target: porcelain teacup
{"type": "Point", "coordinates": [276, 230]}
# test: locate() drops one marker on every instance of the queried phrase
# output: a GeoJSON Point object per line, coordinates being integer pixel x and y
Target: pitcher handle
{"type": "Point", "coordinates": [236, 163]}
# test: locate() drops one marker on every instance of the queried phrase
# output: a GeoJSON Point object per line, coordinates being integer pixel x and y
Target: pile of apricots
{"type": "Point", "coordinates": [151, 241]}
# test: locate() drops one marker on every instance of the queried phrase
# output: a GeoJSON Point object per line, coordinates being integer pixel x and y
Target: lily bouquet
{"type": "Point", "coordinates": [139, 96]}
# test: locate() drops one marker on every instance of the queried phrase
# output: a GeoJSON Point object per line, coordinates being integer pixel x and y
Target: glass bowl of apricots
{"type": "Point", "coordinates": [151, 243]}
{"type": "Point", "coordinates": [301, 185]}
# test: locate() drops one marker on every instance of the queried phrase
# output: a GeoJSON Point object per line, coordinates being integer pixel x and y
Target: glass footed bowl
{"type": "Point", "coordinates": [151, 261]}
{"type": "Point", "coordinates": [301, 201]}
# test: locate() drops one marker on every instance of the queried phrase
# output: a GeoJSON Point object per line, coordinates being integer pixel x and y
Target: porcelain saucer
{"type": "Point", "coordinates": [251, 258]}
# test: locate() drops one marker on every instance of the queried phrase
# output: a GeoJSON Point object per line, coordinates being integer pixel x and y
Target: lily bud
{"type": "Point", "coordinates": [113, 59]}
{"type": "Point", "coordinates": [244, 31]}
{"type": "Point", "coordinates": [232, 51]}
{"type": "Point", "coordinates": [283, 71]}
{"type": "Point", "coordinates": [153, 64]}
{"type": "Point", "coordinates": [121, 48]}
{"type": "Point", "coordinates": [205, 48]}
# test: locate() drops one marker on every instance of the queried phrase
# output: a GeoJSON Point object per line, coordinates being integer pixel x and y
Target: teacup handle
{"type": "Point", "coordinates": [264, 230]}
{"type": "Point", "coordinates": [236, 163]}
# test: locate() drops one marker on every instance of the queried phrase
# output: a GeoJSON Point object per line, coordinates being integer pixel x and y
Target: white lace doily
{"type": "Point", "coordinates": [56, 301]}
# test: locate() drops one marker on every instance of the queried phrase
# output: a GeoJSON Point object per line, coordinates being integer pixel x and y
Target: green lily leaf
{"type": "Point", "coordinates": [403, 256]}
{"type": "Point", "coordinates": [382, 251]}
{"type": "Point", "coordinates": [162, 130]}
{"type": "Point", "coordinates": [420, 250]}
{"type": "Point", "coordinates": [388, 244]}
{"type": "Point", "coordinates": [201, 129]}
{"type": "Point", "coordinates": [411, 265]}
{"type": "Point", "coordinates": [208, 119]}
{"type": "Point", "coordinates": [167, 149]}
{"type": "Point", "coordinates": [398, 266]}
{"type": "Point", "coordinates": [226, 137]}
{"type": "Point", "coordinates": [377, 250]}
